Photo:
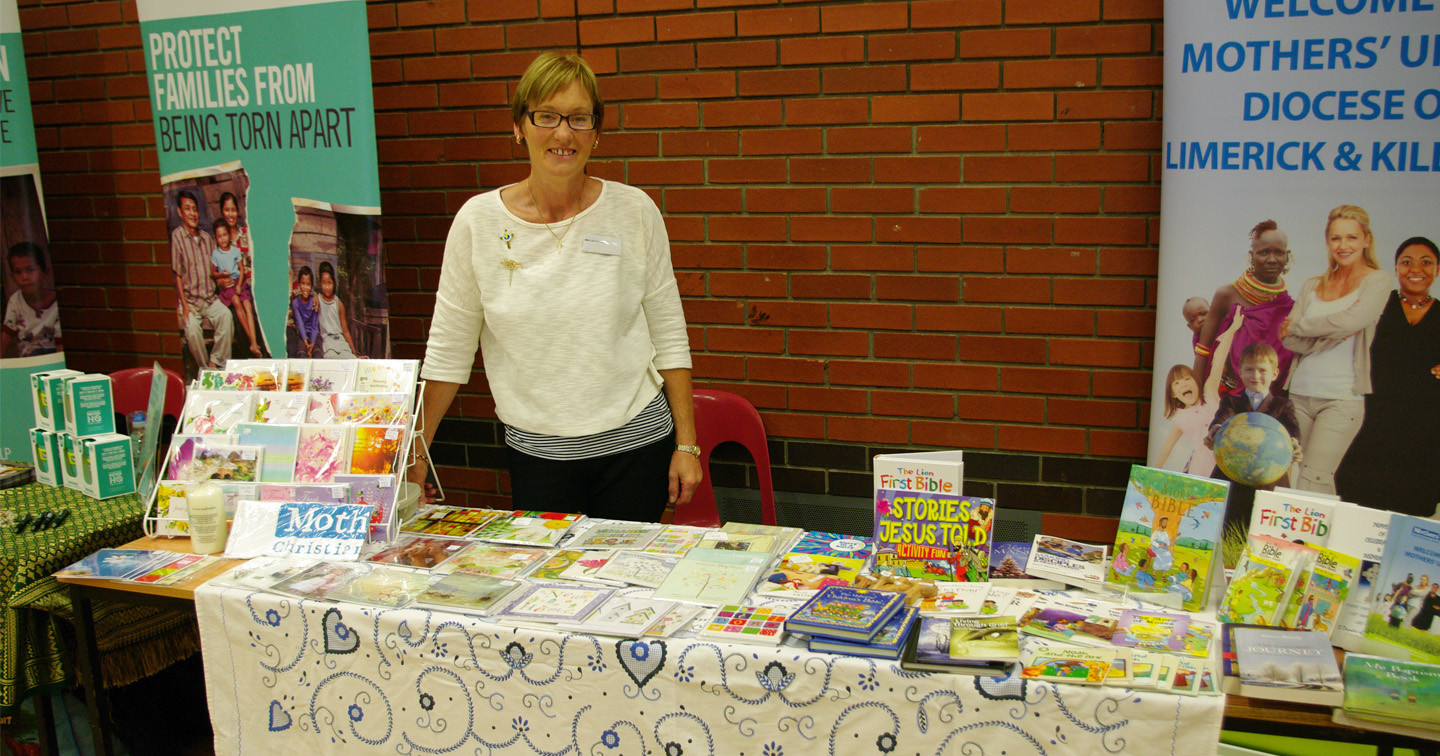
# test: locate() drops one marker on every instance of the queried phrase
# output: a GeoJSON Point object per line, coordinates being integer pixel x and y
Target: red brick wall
{"type": "Point", "coordinates": [927, 223]}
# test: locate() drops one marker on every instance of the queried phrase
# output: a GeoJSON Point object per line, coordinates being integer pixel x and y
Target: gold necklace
{"type": "Point", "coordinates": [560, 239]}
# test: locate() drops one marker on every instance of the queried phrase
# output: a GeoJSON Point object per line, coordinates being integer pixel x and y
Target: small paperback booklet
{"type": "Point", "coordinates": [1320, 593]}
{"type": "Point", "coordinates": [492, 560]}
{"type": "Point", "coordinates": [414, 551]}
{"type": "Point", "coordinates": [987, 639]}
{"type": "Point", "coordinates": [1264, 578]}
{"type": "Point", "coordinates": [621, 616]}
{"type": "Point", "coordinates": [1143, 667]}
{"type": "Point", "coordinates": [260, 573]}
{"type": "Point", "coordinates": [1360, 532]}
{"type": "Point", "coordinates": [782, 537]}
{"type": "Point", "coordinates": [637, 568]}
{"type": "Point", "coordinates": [163, 572]}
{"type": "Point", "coordinates": [723, 541]}
{"type": "Point", "coordinates": [467, 594]}
{"type": "Point", "coordinates": [928, 650]}
{"type": "Point", "coordinates": [1067, 561]}
{"type": "Point", "coordinates": [1199, 635]}
{"type": "Point", "coordinates": [528, 528]}
{"type": "Point", "coordinates": [713, 577]}
{"type": "Point", "coordinates": [1152, 630]}
{"type": "Point", "coordinates": [615, 535]}
{"type": "Point", "coordinates": [678, 618]}
{"type": "Point", "coordinates": [1188, 677]}
{"type": "Point", "coordinates": [1392, 690]}
{"type": "Point", "coordinates": [889, 643]}
{"type": "Point", "coordinates": [957, 599]}
{"type": "Point", "coordinates": [676, 539]}
{"type": "Point", "coordinates": [1288, 665]}
{"type": "Point", "coordinates": [319, 580]}
{"type": "Point", "coordinates": [384, 586]}
{"type": "Point", "coordinates": [1076, 620]}
{"type": "Point", "coordinates": [846, 612]}
{"type": "Point", "coordinates": [819, 559]}
{"type": "Point", "coordinates": [117, 563]}
{"type": "Point", "coordinates": [1062, 663]}
{"type": "Point", "coordinates": [549, 603]}
{"type": "Point", "coordinates": [742, 623]}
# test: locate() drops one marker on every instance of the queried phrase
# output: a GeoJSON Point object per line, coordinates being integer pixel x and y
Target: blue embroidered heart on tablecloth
{"type": "Point", "coordinates": [641, 659]}
{"type": "Point", "coordinates": [339, 638]}
{"type": "Point", "coordinates": [279, 718]}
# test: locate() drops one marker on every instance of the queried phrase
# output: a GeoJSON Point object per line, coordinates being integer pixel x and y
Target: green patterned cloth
{"type": "Point", "coordinates": [35, 655]}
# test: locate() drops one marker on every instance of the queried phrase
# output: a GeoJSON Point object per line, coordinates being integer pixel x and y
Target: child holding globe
{"type": "Point", "coordinates": [1259, 367]}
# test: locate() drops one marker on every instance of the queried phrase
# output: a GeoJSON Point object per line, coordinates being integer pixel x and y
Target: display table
{"type": "Point", "coordinates": [304, 677]}
{"type": "Point", "coordinates": [33, 658]}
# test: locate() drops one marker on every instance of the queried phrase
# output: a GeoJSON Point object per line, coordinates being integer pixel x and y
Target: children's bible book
{"type": "Point", "coordinates": [1169, 537]}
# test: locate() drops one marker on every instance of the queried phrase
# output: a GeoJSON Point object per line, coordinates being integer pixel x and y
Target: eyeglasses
{"type": "Point", "coordinates": [577, 121]}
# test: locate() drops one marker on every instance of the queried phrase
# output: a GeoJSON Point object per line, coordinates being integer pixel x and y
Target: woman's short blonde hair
{"type": "Point", "coordinates": [549, 73]}
{"type": "Point", "coordinates": [1357, 214]}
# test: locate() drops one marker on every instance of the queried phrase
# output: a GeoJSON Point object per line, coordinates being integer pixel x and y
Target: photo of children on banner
{"type": "Point", "coordinates": [31, 319]}
{"type": "Point", "coordinates": [214, 269]}
{"type": "Point", "coordinates": [338, 306]}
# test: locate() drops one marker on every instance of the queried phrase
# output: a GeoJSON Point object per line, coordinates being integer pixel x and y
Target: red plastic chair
{"type": "Point", "coordinates": [721, 416]}
{"type": "Point", "coordinates": [131, 388]}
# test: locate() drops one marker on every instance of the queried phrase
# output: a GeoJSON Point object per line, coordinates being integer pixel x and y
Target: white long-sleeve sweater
{"type": "Point", "coordinates": [571, 341]}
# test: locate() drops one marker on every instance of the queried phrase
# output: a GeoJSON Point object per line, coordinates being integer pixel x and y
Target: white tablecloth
{"type": "Point", "coordinates": [310, 678]}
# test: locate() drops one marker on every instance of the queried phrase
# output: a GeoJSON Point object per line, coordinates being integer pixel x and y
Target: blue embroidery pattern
{"type": "Point", "coordinates": [320, 678]}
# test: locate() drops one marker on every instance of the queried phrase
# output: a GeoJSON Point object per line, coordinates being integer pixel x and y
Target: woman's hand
{"type": "Point", "coordinates": [685, 476]}
{"type": "Point", "coordinates": [1435, 371]}
{"type": "Point", "coordinates": [1284, 327]}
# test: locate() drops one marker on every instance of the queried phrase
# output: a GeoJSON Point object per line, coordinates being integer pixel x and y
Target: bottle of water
{"type": "Point", "coordinates": [137, 438]}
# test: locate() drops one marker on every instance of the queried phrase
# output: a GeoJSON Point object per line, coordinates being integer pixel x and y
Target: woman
{"type": "Point", "coordinates": [1394, 463]}
{"type": "Point", "coordinates": [1429, 607]}
{"type": "Point", "coordinates": [1330, 330]}
{"type": "Point", "coordinates": [565, 281]}
{"type": "Point", "coordinates": [1261, 295]}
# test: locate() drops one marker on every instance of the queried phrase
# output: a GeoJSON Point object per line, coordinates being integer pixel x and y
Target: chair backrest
{"type": "Point", "coordinates": [131, 388]}
{"type": "Point", "coordinates": [721, 416]}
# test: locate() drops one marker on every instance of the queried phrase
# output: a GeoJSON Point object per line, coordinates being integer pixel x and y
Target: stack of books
{"type": "Point", "coordinates": [1391, 695]}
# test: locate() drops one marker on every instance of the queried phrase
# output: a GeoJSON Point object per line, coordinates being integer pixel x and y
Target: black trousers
{"type": "Point", "coordinates": [631, 485]}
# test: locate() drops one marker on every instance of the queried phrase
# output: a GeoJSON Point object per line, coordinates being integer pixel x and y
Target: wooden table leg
{"type": "Point", "coordinates": [89, 658]}
{"type": "Point", "coordinates": [45, 725]}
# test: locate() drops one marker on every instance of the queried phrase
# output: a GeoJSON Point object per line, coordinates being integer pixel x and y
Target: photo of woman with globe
{"type": "Point", "coordinates": [1330, 329]}
{"type": "Point", "coordinates": [1394, 462]}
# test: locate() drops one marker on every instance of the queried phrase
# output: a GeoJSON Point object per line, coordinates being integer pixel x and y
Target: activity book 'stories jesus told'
{"type": "Point", "coordinates": [923, 526]}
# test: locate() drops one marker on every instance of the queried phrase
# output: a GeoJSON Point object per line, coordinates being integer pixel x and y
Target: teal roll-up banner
{"type": "Point", "coordinates": [1301, 162]}
{"type": "Point", "coordinates": [30, 339]}
{"type": "Point", "coordinates": [263, 112]}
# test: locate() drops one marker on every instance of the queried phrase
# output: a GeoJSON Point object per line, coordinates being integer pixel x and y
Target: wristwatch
{"type": "Point", "coordinates": [688, 449]}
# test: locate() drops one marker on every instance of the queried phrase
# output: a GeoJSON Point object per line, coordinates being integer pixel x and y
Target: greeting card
{"type": "Point", "coordinates": [375, 449]}
{"type": "Point", "coordinates": [320, 455]}
{"type": "Point", "coordinates": [279, 443]}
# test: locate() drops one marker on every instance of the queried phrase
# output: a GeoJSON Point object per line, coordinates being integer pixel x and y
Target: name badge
{"type": "Point", "coordinates": [601, 245]}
